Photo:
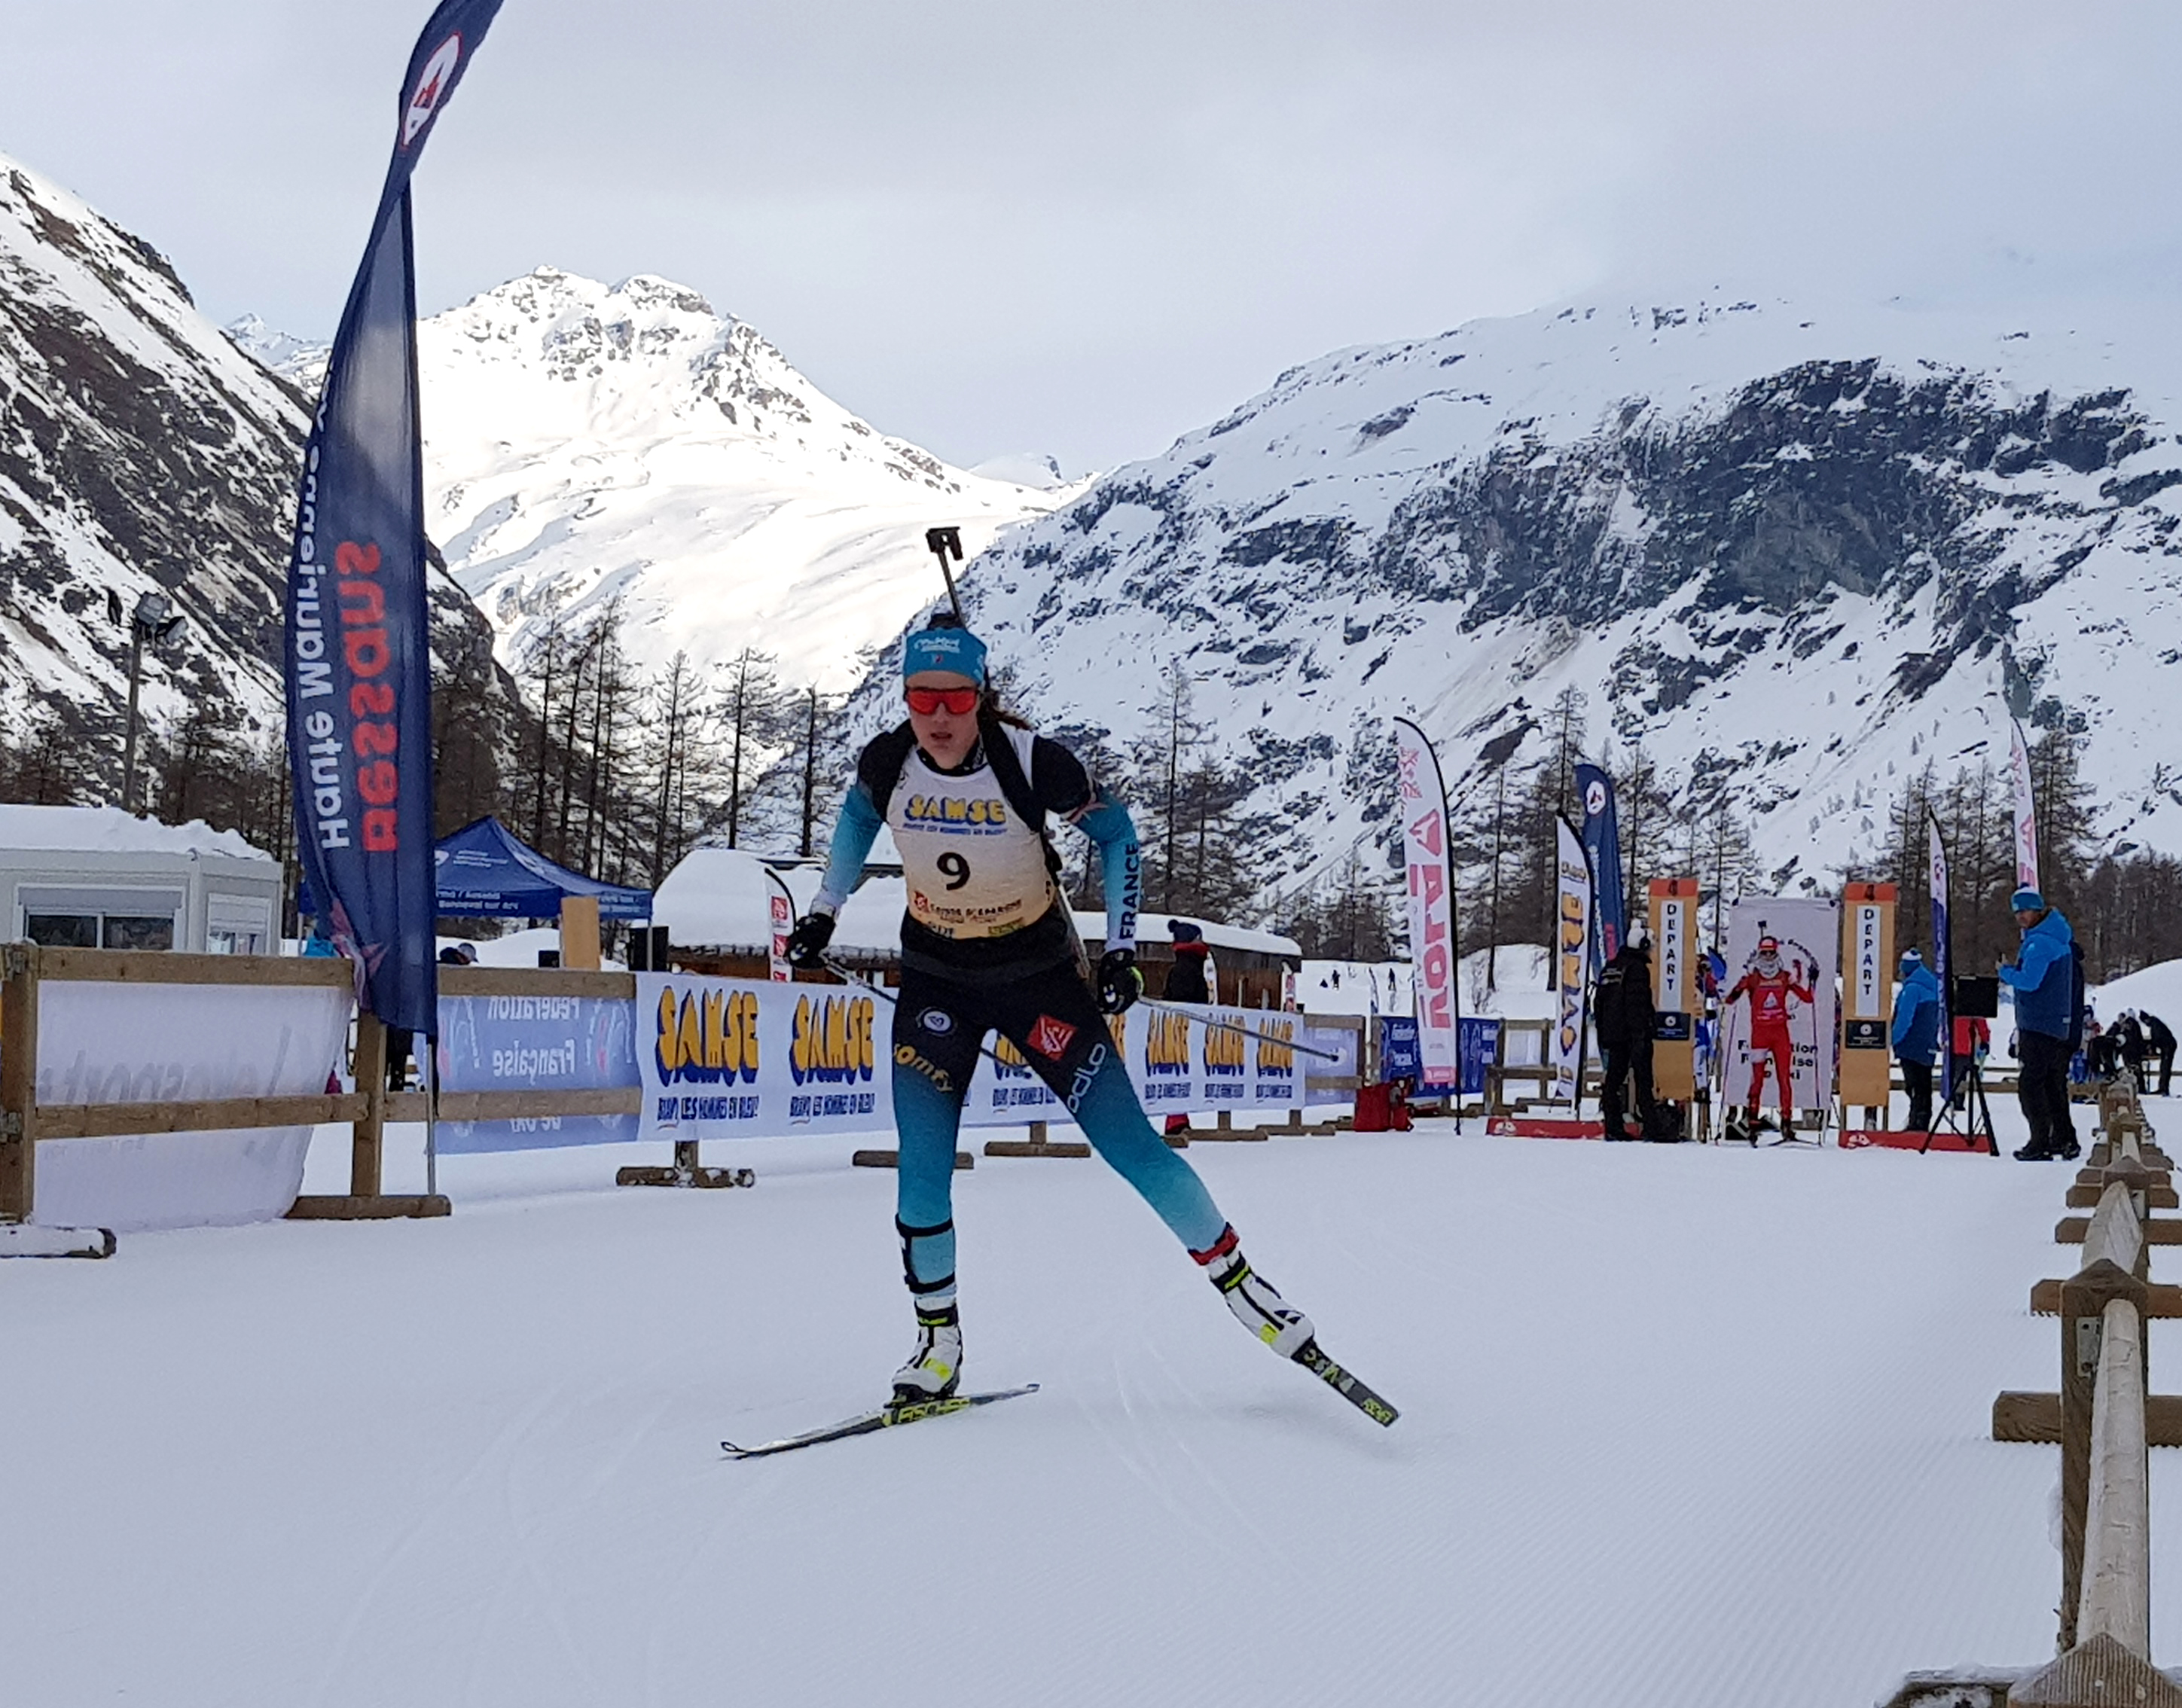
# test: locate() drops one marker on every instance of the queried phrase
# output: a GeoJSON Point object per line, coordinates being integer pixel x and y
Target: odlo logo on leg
{"type": "Point", "coordinates": [1082, 1082]}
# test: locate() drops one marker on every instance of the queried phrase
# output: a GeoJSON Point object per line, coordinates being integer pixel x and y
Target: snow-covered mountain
{"type": "Point", "coordinates": [1799, 554]}
{"type": "Point", "coordinates": [140, 451]}
{"type": "Point", "coordinates": [586, 442]}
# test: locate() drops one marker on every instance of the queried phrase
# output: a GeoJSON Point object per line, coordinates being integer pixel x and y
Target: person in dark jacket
{"type": "Point", "coordinates": [1185, 979]}
{"type": "Point", "coordinates": [2049, 1004]}
{"type": "Point", "coordinates": [2101, 1044]}
{"type": "Point", "coordinates": [1623, 1016]}
{"type": "Point", "coordinates": [1186, 983]}
{"type": "Point", "coordinates": [2129, 1045]}
{"type": "Point", "coordinates": [2159, 1041]}
{"type": "Point", "coordinates": [1916, 1035]}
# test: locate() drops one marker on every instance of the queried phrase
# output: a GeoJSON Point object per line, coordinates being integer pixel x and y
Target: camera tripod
{"type": "Point", "coordinates": [1969, 1114]}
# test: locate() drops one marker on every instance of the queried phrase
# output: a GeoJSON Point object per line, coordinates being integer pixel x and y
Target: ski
{"type": "Point", "coordinates": [871, 1422]}
{"type": "Point", "coordinates": [1313, 1358]}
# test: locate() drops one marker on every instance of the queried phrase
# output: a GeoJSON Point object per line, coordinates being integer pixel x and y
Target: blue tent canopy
{"type": "Point", "coordinates": [484, 872]}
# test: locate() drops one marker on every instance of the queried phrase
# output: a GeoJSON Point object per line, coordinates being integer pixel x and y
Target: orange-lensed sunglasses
{"type": "Point", "coordinates": [958, 702]}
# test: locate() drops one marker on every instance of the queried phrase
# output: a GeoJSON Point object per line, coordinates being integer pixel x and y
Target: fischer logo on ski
{"type": "Point", "coordinates": [882, 1417]}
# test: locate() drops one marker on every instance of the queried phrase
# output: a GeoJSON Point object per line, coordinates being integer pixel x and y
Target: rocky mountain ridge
{"type": "Point", "coordinates": [1799, 554]}
{"type": "Point", "coordinates": [141, 451]}
{"type": "Point", "coordinates": [587, 443]}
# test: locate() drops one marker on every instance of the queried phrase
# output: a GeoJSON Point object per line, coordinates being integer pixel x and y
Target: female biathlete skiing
{"type": "Point", "coordinates": [987, 945]}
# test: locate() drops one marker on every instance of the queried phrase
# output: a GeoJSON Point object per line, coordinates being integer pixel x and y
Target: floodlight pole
{"type": "Point", "coordinates": [129, 745]}
{"type": "Point", "coordinates": [149, 622]}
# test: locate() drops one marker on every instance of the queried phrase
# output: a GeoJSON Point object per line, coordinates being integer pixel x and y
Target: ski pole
{"type": "Point", "coordinates": [1188, 1012]}
{"type": "Point", "coordinates": [944, 542]}
{"type": "Point", "coordinates": [852, 976]}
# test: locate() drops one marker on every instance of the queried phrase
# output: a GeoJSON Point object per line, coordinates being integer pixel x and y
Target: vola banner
{"type": "Point", "coordinates": [357, 655]}
{"type": "Point", "coordinates": [2026, 809]}
{"type": "Point", "coordinates": [1422, 800]}
{"type": "Point", "coordinates": [1572, 926]}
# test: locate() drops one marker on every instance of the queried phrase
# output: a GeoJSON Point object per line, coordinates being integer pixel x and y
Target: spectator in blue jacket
{"type": "Point", "coordinates": [2047, 982]}
{"type": "Point", "coordinates": [1917, 1035]}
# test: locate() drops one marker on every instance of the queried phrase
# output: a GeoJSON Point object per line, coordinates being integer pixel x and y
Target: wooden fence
{"type": "Point", "coordinates": [2106, 1423]}
{"type": "Point", "coordinates": [25, 1123]}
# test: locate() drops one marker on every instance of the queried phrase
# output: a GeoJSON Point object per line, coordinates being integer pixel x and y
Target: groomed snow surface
{"type": "Point", "coordinates": [1680, 1426]}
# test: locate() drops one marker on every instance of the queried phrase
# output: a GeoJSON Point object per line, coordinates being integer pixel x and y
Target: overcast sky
{"type": "Point", "coordinates": [1084, 229]}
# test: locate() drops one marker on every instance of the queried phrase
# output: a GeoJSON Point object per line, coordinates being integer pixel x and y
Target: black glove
{"type": "Point", "coordinates": [807, 943]}
{"type": "Point", "coordinates": [1120, 983]}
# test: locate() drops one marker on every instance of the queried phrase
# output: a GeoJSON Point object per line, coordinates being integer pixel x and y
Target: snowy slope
{"type": "Point", "coordinates": [140, 451]}
{"type": "Point", "coordinates": [1798, 553]}
{"type": "Point", "coordinates": [474, 1462]}
{"type": "Point", "coordinates": [2156, 988]}
{"type": "Point", "coordinates": [585, 442]}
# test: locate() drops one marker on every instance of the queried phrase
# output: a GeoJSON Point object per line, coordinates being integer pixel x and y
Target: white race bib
{"type": "Point", "coordinates": [974, 868]}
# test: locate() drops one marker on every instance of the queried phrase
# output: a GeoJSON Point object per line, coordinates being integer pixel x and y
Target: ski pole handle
{"type": "Point", "coordinates": [944, 542]}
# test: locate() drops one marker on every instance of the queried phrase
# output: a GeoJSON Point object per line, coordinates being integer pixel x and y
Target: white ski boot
{"type": "Point", "coordinates": [934, 1369]}
{"type": "Point", "coordinates": [1256, 1305]}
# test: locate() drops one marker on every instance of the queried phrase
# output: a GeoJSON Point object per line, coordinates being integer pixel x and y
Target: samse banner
{"type": "Point", "coordinates": [722, 1058]}
{"type": "Point", "coordinates": [1177, 1063]}
{"type": "Point", "coordinates": [725, 1058]}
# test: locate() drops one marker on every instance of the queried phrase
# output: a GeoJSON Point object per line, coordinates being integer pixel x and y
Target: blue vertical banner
{"type": "Point", "coordinates": [1943, 957]}
{"type": "Point", "coordinates": [1601, 843]}
{"type": "Point", "coordinates": [357, 656]}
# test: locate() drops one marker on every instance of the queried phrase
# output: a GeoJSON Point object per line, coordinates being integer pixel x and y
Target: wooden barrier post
{"type": "Point", "coordinates": [2114, 1576]}
{"type": "Point", "coordinates": [366, 1146]}
{"type": "Point", "coordinates": [18, 1068]}
{"type": "Point", "coordinates": [367, 1199]}
{"type": "Point", "coordinates": [1038, 1145]}
{"type": "Point", "coordinates": [579, 933]}
{"type": "Point", "coordinates": [2084, 1301]}
{"type": "Point", "coordinates": [2105, 1421]}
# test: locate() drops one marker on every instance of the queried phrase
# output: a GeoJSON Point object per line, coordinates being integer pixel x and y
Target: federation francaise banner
{"type": "Point", "coordinates": [534, 1042]}
{"type": "Point", "coordinates": [2026, 809]}
{"type": "Point", "coordinates": [1601, 843]}
{"type": "Point", "coordinates": [356, 657]}
{"type": "Point", "coordinates": [1943, 957]}
{"type": "Point", "coordinates": [1422, 800]}
{"type": "Point", "coordinates": [1572, 913]}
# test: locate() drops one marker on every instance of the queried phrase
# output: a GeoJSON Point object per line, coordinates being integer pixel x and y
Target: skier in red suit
{"type": "Point", "coordinates": [1767, 987]}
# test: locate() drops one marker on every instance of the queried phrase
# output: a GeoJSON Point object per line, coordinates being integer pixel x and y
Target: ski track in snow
{"type": "Point", "coordinates": [1686, 1427]}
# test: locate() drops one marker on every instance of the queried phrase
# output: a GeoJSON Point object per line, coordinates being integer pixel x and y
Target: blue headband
{"type": "Point", "coordinates": [954, 649]}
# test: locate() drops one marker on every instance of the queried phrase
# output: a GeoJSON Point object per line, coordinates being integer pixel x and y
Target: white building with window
{"type": "Point", "coordinates": [95, 877]}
